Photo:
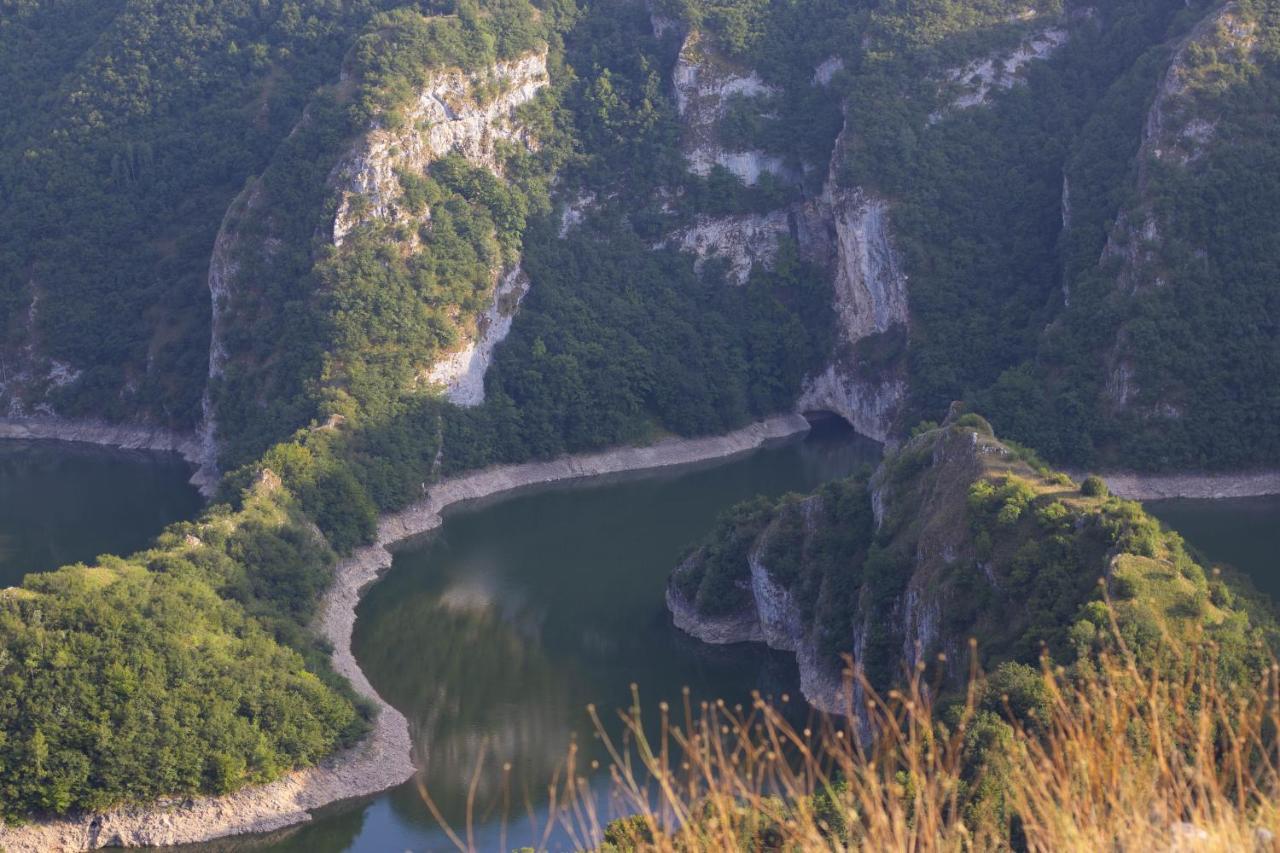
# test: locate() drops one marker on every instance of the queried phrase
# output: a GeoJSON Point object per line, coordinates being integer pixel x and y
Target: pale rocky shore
{"type": "Point", "coordinates": [383, 759]}
{"type": "Point", "coordinates": [123, 436]}
{"type": "Point", "coordinates": [1154, 487]}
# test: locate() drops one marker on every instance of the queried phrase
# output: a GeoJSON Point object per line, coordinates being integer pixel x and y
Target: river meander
{"type": "Point", "coordinates": [499, 629]}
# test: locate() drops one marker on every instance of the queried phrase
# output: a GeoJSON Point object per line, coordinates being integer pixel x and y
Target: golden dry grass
{"type": "Point", "coordinates": [1125, 758]}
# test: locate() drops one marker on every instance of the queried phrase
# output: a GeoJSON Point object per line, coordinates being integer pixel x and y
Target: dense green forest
{"type": "Point", "coordinates": [133, 131]}
{"type": "Point", "coordinates": [187, 668]}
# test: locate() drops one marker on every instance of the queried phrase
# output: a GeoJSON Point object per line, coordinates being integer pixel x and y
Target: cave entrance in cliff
{"type": "Point", "coordinates": [824, 422]}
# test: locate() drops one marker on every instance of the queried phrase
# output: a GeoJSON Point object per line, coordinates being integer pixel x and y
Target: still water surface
{"type": "Point", "coordinates": [1243, 533]}
{"type": "Point", "coordinates": [504, 626]}
{"type": "Point", "coordinates": [63, 503]}
{"type": "Point", "coordinates": [501, 628]}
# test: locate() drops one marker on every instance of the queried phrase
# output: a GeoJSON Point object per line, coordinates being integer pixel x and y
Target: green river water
{"type": "Point", "coordinates": [495, 633]}
{"type": "Point", "coordinates": [64, 503]}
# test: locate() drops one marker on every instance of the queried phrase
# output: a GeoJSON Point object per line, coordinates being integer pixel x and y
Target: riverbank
{"type": "Point", "coordinates": [1154, 487]}
{"type": "Point", "coordinates": [382, 760]}
{"type": "Point", "coordinates": [123, 436]}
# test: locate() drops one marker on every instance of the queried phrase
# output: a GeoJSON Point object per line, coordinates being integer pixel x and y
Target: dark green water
{"type": "Point", "coordinates": [498, 631]}
{"type": "Point", "coordinates": [1244, 533]}
{"type": "Point", "coordinates": [63, 503]}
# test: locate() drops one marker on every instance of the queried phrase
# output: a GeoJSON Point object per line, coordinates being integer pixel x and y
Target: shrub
{"type": "Point", "coordinates": [1094, 487]}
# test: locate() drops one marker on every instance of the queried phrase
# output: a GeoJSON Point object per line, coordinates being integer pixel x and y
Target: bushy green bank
{"type": "Point", "coordinates": [186, 668]}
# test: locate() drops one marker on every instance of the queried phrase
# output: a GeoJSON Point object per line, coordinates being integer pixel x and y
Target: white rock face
{"type": "Point", "coordinates": [869, 404]}
{"type": "Point", "coordinates": [705, 83]}
{"type": "Point", "coordinates": [461, 374]}
{"type": "Point", "coordinates": [742, 241]}
{"type": "Point", "coordinates": [450, 116]}
{"type": "Point", "coordinates": [575, 210]}
{"type": "Point", "coordinates": [772, 618]}
{"type": "Point", "coordinates": [871, 293]}
{"type": "Point", "coordinates": [778, 616]}
{"type": "Point", "coordinates": [979, 79]}
{"type": "Point", "coordinates": [852, 228]}
{"type": "Point", "coordinates": [827, 70]}
{"type": "Point", "coordinates": [455, 113]}
{"type": "Point", "coordinates": [223, 272]}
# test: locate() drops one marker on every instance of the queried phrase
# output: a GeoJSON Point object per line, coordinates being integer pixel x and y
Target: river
{"type": "Point", "coordinates": [63, 503]}
{"type": "Point", "coordinates": [497, 631]}
{"type": "Point", "coordinates": [504, 625]}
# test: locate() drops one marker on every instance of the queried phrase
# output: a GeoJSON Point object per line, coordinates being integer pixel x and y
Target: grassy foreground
{"type": "Point", "coordinates": [1113, 755]}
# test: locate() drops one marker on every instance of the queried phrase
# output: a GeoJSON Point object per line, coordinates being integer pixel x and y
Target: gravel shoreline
{"type": "Point", "coordinates": [383, 759]}
{"type": "Point", "coordinates": [123, 436]}
{"type": "Point", "coordinates": [1154, 487]}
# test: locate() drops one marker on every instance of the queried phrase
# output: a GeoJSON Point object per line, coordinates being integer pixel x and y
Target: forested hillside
{"type": "Point", "coordinates": [284, 224]}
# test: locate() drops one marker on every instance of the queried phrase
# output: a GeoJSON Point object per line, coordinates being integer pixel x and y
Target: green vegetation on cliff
{"type": "Point", "coordinates": [128, 130]}
{"type": "Point", "coordinates": [974, 538]}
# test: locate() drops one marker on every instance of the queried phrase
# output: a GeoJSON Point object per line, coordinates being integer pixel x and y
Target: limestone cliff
{"type": "Point", "coordinates": [706, 83]}
{"type": "Point", "coordinates": [472, 113]}
{"type": "Point", "coordinates": [849, 230]}
{"type": "Point", "coordinates": [741, 241]}
{"type": "Point", "coordinates": [269, 257]}
{"type": "Point", "coordinates": [974, 84]}
{"type": "Point", "coordinates": [845, 230]}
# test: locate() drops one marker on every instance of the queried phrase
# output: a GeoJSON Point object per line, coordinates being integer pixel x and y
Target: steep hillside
{"type": "Point", "coordinates": [1179, 305]}
{"type": "Point", "coordinates": [305, 229]}
{"type": "Point", "coordinates": [955, 536]}
{"type": "Point", "coordinates": [127, 132]}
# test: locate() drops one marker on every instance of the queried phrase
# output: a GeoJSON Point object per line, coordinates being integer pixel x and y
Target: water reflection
{"type": "Point", "coordinates": [495, 635]}
{"type": "Point", "coordinates": [1244, 533]}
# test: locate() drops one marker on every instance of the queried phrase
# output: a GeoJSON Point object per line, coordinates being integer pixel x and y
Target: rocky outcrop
{"type": "Point", "coordinates": [826, 70]}
{"type": "Point", "coordinates": [705, 84]}
{"type": "Point", "coordinates": [870, 288]}
{"type": "Point", "coordinates": [921, 525]}
{"type": "Point", "coordinates": [224, 268]}
{"type": "Point", "coordinates": [849, 229]}
{"type": "Point", "coordinates": [454, 114]}
{"type": "Point", "coordinates": [771, 616]}
{"type": "Point", "coordinates": [977, 81]}
{"type": "Point", "coordinates": [1176, 131]}
{"type": "Point", "coordinates": [741, 241]}
{"type": "Point", "coordinates": [469, 113]}
{"type": "Point", "coordinates": [740, 627]}
{"type": "Point", "coordinates": [461, 374]}
{"type": "Point", "coordinates": [1179, 126]}
{"type": "Point", "coordinates": [869, 403]}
